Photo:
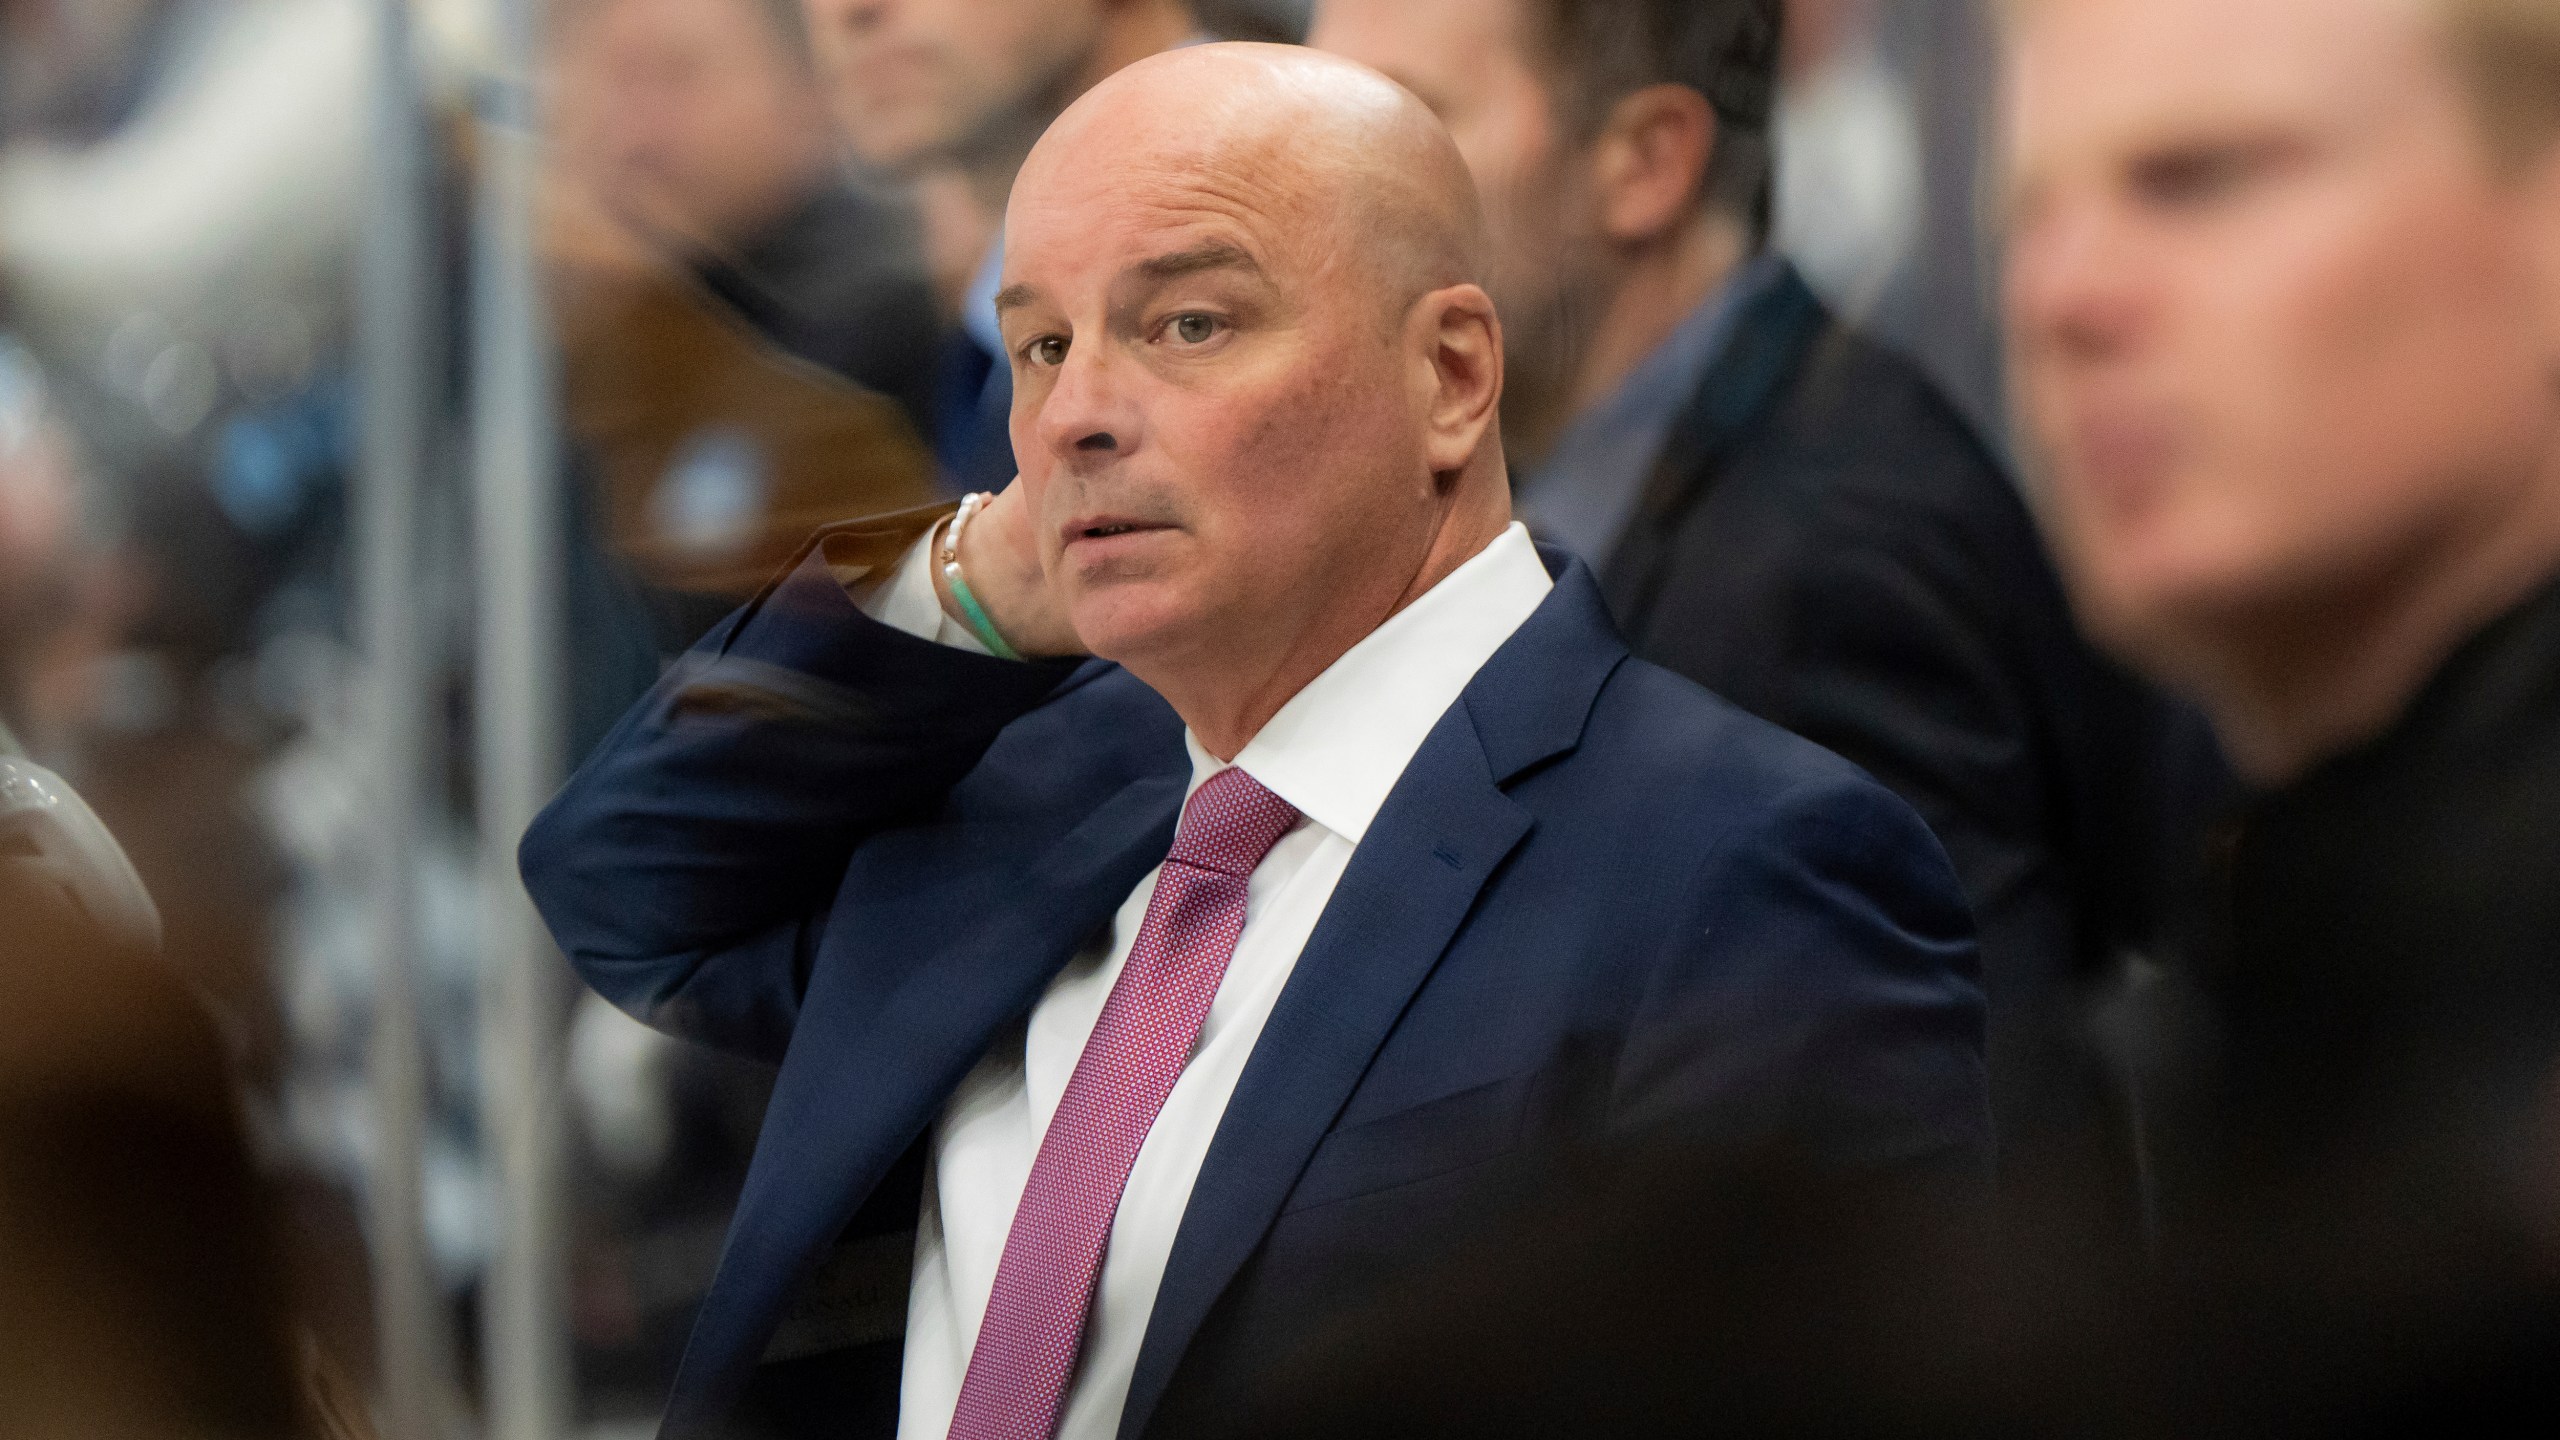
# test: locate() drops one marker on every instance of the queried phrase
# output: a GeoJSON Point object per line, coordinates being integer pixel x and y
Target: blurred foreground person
{"type": "Point", "coordinates": [1135, 1019]}
{"type": "Point", "coordinates": [1782, 511]}
{"type": "Point", "coordinates": [2285, 300]}
{"type": "Point", "coordinates": [968, 85]}
{"type": "Point", "coordinates": [144, 1292]}
{"type": "Point", "coordinates": [52, 621]}
{"type": "Point", "coordinates": [747, 332]}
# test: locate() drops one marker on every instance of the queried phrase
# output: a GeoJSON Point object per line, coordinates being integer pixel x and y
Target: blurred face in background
{"type": "Point", "coordinates": [690, 119]}
{"type": "Point", "coordinates": [921, 80]}
{"type": "Point", "coordinates": [1471, 62]}
{"type": "Point", "coordinates": [2280, 318]}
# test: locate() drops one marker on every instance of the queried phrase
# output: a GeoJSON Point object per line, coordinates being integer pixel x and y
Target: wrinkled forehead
{"type": "Point", "coordinates": [1091, 208]}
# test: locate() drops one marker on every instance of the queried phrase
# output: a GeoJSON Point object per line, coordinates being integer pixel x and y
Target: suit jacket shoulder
{"type": "Point", "coordinates": [1850, 457]}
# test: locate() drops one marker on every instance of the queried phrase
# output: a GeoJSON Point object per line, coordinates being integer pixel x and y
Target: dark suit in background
{"type": "Point", "coordinates": [1826, 543]}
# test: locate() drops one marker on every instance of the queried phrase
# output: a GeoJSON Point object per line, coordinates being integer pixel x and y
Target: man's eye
{"type": "Point", "coordinates": [1047, 350]}
{"type": "Point", "coordinates": [2203, 174]}
{"type": "Point", "coordinates": [1194, 328]}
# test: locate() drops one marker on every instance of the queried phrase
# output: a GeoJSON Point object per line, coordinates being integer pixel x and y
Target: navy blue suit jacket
{"type": "Point", "coordinates": [1600, 902]}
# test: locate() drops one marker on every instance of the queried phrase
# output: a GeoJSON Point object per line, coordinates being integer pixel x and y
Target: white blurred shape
{"type": "Point", "coordinates": [233, 187]}
{"type": "Point", "coordinates": [1848, 191]}
{"type": "Point", "coordinates": [180, 387]}
{"type": "Point", "coordinates": [713, 493]}
{"type": "Point", "coordinates": [618, 1079]}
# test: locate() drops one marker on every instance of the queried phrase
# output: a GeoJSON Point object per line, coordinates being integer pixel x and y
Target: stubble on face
{"type": "Point", "coordinates": [1473, 63]}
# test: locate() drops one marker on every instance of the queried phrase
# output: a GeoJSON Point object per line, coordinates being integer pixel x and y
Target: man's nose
{"type": "Point", "coordinates": [2077, 285]}
{"type": "Point", "coordinates": [1088, 416]}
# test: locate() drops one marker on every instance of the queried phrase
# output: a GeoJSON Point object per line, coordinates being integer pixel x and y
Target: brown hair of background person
{"type": "Point", "coordinates": [1614, 198]}
{"type": "Point", "coordinates": [2285, 309]}
{"type": "Point", "coordinates": [1785, 512]}
{"type": "Point", "coordinates": [144, 1292]}
{"type": "Point", "coordinates": [1598, 52]}
{"type": "Point", "coordinates": [2509, 51]}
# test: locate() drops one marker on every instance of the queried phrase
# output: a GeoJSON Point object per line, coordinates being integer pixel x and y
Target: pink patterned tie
{"type": "Point", "coordinates": [1027, 1347]}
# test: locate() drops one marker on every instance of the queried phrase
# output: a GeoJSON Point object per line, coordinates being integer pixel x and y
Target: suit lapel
{"type": "Point", "coordinates": [1772, 338]}
{"type": "Point", "coordinates": [1409, 885]}
{"type": "Point", "coordinates": [1444, 830]}
{"type": "Point", "coordinates": [885, 1034]}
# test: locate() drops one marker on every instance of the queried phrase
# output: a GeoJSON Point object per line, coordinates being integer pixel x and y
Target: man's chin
{"type": "Point", "coordinates": [2183, 618]}
{"type": "Point", "coordinates": [1130, 620]}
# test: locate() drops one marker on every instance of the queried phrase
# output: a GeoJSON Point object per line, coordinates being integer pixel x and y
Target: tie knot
{"type": "Point", "coordinates": [1230, 823]}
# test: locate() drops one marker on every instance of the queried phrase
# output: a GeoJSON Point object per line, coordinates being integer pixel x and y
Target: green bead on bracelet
{"type": "Point", "coordinates": [970, 609]}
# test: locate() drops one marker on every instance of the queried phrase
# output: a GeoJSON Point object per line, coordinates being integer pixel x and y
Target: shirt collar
{"type": "Point", "coordinates": [1339, 746]}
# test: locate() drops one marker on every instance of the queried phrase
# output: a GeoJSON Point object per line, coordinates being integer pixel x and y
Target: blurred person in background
{"type": "Point", "coordinates": [2285, 302]}
{"type": "Point", "coordinates": [700, 128]}
{"type": "Point", "coordinates": [747, 334]}
{"type": "Point", "coordinates": [961, 88]}
{"type": "Point", "coordinates": [747, 330]}
{"type": "Point", "coordinates": [1780, 509]}
{"type": "Point", "coordinates": [2284, 306]}
{"type": "Point", "coordinates": [58, 607]}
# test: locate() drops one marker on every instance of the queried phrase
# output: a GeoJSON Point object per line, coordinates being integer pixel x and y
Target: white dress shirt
{"type": "Point", "coordinates": [1334, 751]}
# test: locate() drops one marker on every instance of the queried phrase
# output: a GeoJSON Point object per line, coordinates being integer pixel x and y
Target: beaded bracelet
{"type": "Point", "coordinates": [976, 614]}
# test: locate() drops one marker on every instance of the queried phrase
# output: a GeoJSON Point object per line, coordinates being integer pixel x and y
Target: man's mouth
{"type": "Point", "coordinates": [1105, 528]}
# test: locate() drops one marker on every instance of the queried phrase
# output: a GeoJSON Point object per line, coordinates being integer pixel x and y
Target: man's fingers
{"type": "Point", "coordinates": [1000, 551]}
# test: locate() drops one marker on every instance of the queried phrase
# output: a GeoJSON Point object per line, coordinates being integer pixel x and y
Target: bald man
{"type": "Point", "coordinates": [1326, 869]}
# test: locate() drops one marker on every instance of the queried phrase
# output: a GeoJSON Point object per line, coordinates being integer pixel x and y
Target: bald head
{"type": "Point", "coordinates": [1254, 376]}
{"type": "Point", "coordinates": [1353, 161]}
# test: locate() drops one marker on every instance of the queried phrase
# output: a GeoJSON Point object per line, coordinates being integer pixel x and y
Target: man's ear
{"type": "Point", "coordinates": [1649, 166]}
{"type": "Point", "coordinates": [1457, 340]}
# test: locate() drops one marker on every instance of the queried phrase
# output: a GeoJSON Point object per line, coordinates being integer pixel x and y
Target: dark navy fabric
{"type": "Point", "coordinates": [1599, 903]}
{"type": "Point", "coordinates": [1825, 543]}
{"type": "Point", "coordinates": [972, 416]}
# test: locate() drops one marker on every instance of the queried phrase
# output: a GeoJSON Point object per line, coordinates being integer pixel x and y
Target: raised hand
{"type": "Point", "coordinates": [1000, 554]}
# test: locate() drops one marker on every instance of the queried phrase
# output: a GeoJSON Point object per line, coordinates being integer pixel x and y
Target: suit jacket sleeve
{"type": "Point", "coordinates": [1824, 995]}
{"type": "Point", "coordinates": [688, 868]}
